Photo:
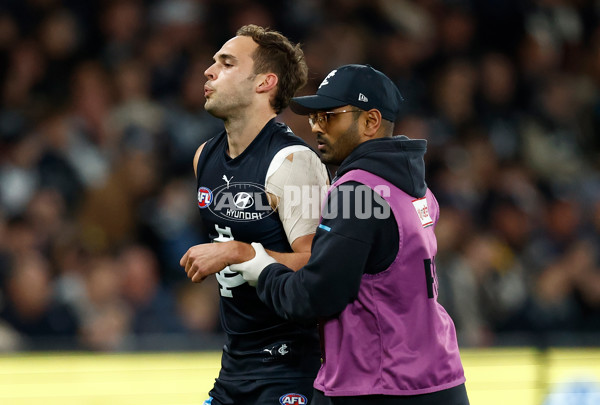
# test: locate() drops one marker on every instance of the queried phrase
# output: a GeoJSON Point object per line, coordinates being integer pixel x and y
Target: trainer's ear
{"type": "Point", "coordinates": [267, 82]}
{"type": "Point", "coordinates": [372, 123]}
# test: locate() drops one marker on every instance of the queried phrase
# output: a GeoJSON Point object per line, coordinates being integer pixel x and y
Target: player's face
{"type": "Point", "coordinates": [230, 86]}
{"type": "Point", "coordinates": [338, 135]}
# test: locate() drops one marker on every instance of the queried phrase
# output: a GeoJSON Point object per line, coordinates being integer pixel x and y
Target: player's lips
{"type": "Point", "coordinates": [208, 91]}
{"type": "Point", "coordinates": [321, 145]}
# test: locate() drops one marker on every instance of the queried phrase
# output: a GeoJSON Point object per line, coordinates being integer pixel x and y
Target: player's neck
{"type": "Point", "coordinates": [242, 130]}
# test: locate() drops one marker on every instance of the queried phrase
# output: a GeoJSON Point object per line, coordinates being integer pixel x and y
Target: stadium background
{"type": "Point", "coordinates": [101, 112]}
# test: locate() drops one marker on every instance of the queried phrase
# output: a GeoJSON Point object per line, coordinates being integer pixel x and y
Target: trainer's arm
{"type": "Point", "coordinates": [342, 252]}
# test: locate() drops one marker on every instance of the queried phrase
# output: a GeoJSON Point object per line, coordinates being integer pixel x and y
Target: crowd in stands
{"type": "Point", "coordinates": [101, 112]}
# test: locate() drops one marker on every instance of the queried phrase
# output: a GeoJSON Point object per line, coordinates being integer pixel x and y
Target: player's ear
{"type": "Point", "coordinates": [267, 82]}
{"type": "Point", "coordinates": [372, 123]}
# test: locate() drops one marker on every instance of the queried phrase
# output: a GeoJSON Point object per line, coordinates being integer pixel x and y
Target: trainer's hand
{"type": "Point", "coordinates": [201, 261]}
{"type": "Point", "coordinates": [251, 269]}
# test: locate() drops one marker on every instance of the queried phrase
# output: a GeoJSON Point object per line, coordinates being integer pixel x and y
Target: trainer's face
{"type": "Point", "coordinates": [338, 135]}
{"type": "Point", "coordinates": [230, 85]}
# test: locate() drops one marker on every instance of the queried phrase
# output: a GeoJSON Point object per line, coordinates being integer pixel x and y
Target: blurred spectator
{"type": "Point", "coordinates": [324, 50]}
{"type": "Point", "coordinates": [135, 110]}
{"type": "Point", "coordinates": [552, 133]}
{"type": "Point", "coordinates": [31, 308]}
{"type": "Point", "coordinates": [198, 307]}
{"type": "Point", "coordinates": [453, 98]}
{"type": "Point", "coordinates": [109, 213]}
{"type": "Point", "coordinates": [19, 177]}
{"type": "Point", "coordinates": [46, 214]}
{"type": "Point", "coordinates": [591, 76]}
{"type": "Point", "coordinates": [25, 71]}
{"type": "Point", "coordinates": [497, 105]}
{"type": "Point", "coordinates": [177, 31]}
{"type": "Point", "coordinates": [169, 226]}
{"type": "Point", "coordinates": [59, 40]}
{"type": "Point", "coordinates": [57, 165]}
{"type": "Point", "coordinates": [121, 23]}
{"type": "Point", "coordinates": [152, 305]}
{"type": "Point", "coordinates": [89, 141]}
{"type": "Point", "coordinates": [9, 33]}
{"type": "Point", "coordinates": [105, 316]}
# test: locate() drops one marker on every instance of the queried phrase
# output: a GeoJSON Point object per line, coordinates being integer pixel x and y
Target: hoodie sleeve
{"type": "Point", "coordinates": [355, 237]}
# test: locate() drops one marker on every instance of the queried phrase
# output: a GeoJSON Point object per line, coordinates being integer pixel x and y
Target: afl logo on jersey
{"type": "Point", "coordinates": [205, 197]}
{"type": "Point", "coordinates": [240, 202]}
{"type": "Point", "coordinates": [293, 399]}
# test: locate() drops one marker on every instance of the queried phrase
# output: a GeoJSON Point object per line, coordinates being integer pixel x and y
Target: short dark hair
{"type": "Point", "coordinates": [276, 54]}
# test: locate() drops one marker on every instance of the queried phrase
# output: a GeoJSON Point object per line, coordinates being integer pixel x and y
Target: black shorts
{"type": "Point", "coordinates": [293, 391]}
{"type": "Point", "coordinates": [451, 396]}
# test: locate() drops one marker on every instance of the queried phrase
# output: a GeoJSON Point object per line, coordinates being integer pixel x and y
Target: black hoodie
{"type": "Point", "coordinates": [347, 246]}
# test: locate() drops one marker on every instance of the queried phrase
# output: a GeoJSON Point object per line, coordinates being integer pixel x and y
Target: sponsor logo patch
{"type": "Point", "coordinates": [423, 211]}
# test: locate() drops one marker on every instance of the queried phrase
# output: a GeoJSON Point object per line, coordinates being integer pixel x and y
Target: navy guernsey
{"type": "Point", "coordinates": [233, 205]}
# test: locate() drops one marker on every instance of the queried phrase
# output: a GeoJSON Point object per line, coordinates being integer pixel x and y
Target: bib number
{"type": "Point", "coordinates": [431, 278]}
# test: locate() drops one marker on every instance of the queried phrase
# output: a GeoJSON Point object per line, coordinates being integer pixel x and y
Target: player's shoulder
{"type": "Point", "coordinates": [284, 133]}
{"type": "Point", "coordinates": [207, 148]}
{"type": "Point", "coordinates": [197, 157]}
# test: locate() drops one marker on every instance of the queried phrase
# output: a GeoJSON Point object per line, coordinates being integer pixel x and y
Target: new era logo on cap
{"type": "Point", "coordinates": [361, 86]}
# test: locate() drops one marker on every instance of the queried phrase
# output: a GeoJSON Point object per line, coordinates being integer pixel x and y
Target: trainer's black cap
{"type": "Point", "coordinates": [357, 85]}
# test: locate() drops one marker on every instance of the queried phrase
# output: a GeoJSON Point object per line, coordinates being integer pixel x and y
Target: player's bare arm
{"type": "Point", "coordinates": [298, 258]}
{"type": "Point", "coordinates": [200, 261]}
{"type": "Point", "coordinates": [299, 170]}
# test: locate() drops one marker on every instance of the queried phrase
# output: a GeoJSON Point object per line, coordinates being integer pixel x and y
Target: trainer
{"type": "Point", "coordinates": [371, 279]}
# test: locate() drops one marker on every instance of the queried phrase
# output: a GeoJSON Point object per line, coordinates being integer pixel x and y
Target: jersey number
{"type": "Point", "coordinates": [227, 278]}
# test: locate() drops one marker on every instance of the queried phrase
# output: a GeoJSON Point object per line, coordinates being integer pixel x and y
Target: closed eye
{"type": "Point", "coordinates": [226, 60]}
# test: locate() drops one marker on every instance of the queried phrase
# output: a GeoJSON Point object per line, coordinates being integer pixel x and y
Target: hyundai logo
{"type": "Point", "coordinates": [243, 200]}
